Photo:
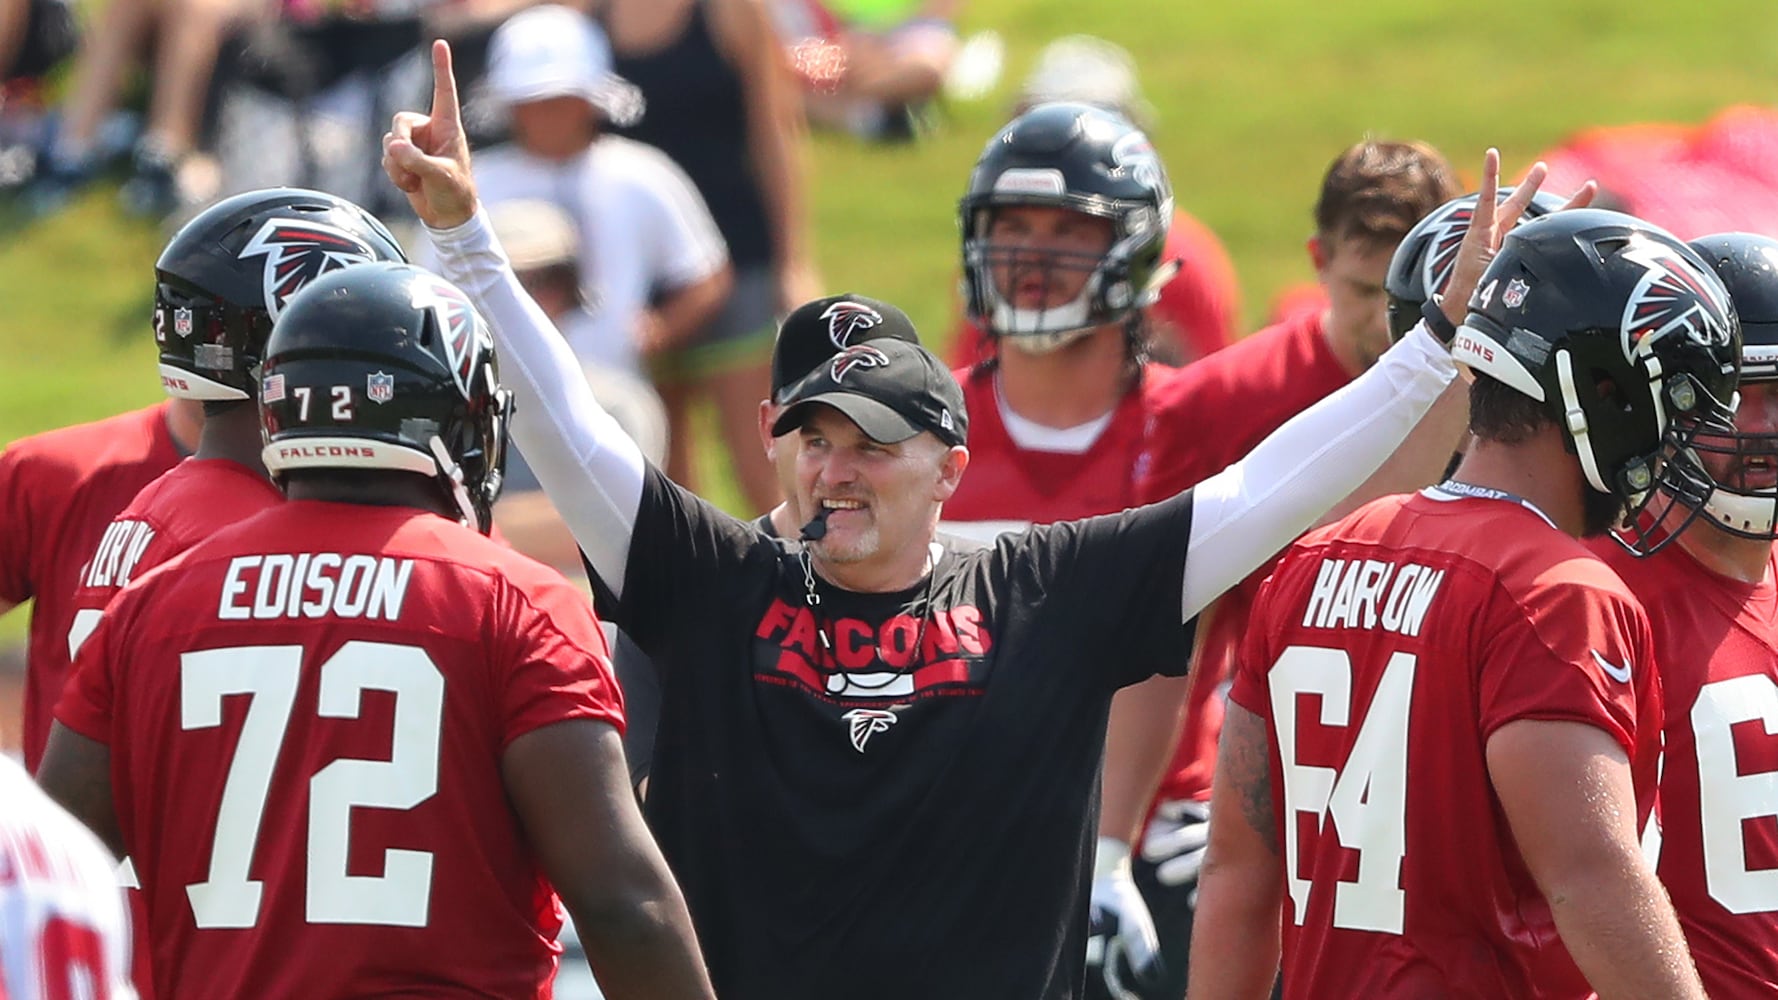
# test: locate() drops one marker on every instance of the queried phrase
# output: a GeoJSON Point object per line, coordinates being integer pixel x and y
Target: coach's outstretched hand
{"type": "Point", "coordinates": [427, 155]}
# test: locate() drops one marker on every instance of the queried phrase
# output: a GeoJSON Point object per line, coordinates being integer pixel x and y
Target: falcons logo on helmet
{"type": "Point", "coordinates": [867, 722]}
{"type": "Point", "coordinates": [1673, 295]}
{"type": "Point", "coordinates": [847, 318]}
{"type": "Point", "coordinates": [1444, 237]}
{"type": "Point", "coordinates": [856, 357]}
{"type": "Point", "coordinates": [297, 252]}
{"type": "Point", "coordinates": [466, 340]}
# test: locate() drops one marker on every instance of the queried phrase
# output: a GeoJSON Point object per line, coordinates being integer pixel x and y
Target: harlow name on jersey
{"type": "Point", "coordinates": [1350, 593]}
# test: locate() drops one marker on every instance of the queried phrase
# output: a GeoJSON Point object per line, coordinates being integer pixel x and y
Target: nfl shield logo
{"type": "Point", "coordinates": [379, 387]}
{"type": "Point", "coordinates": [182, 322]}
{"type": "Point", "coordinates": [1514, 296]}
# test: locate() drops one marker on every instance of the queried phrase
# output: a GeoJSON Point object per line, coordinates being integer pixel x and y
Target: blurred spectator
{"type": "Point", "coordinates": [652, 269]}
{"type": "Point", "coordinates": [187, 35]}
{"type": "Point", "coordinates": [35, 37]}
{"type": "Point", "coordinates": [540, 240]}
{"type": "Point", "coordinates": [722, 104]}
{"type": "Point", "coordinates": [312, 90]}
{"type": "Point", "coordinates": [872, 64]}
{"type": "Point", "coordinates": [1200, 305]}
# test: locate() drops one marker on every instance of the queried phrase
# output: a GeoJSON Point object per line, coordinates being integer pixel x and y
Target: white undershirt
{"type": "Point", "coordinates": [1030, 435]}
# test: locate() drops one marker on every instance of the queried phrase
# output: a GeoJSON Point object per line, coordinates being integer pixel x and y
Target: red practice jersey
{"type": "Point", "coordinates": [58, 491]}
{"type": "Point", "coordinates": [1716, 640]}
{"type": "Point", "coordinates": [1209, 417]}
{"type": "Point", "coordinates": [1013, 487]}
{"type": "Point", "coordinates": [187, 504]}
{"type": "Point", "coordinates": [306, 715]}
{"type": "Point", "coordinates": [63, 932]}
{"type": "Point", "coordinates": [1194, 317]}
{"type": "Point", "coordinates": [1384, 652]}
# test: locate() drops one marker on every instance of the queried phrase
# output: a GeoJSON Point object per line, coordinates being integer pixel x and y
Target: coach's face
{"type": "Point", "coordinates": [882, 499]}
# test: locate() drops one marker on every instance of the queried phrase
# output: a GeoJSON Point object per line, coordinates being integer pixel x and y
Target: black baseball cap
{"type": "Point", "coordinates": [816, 331]}
{"type": "Point", "coordinates": [891, 389]}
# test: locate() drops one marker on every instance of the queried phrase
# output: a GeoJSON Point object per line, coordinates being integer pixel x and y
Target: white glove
{"type": "Point", "coordinates": [1122, 948]}
{"type": "Point", "coordinates": [1175, 840]}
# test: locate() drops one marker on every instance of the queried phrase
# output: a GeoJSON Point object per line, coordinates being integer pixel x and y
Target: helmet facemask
{"type": "Point", "coordinates": [1744, 502]}
{"type": "Point", "coordinates": [1667, 489]}
{"type": "Point", "coordinates": [1105, 295]}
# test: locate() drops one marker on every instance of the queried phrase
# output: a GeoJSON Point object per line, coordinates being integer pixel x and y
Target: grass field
{"type": "Point", "coordinates": [1253, 99]}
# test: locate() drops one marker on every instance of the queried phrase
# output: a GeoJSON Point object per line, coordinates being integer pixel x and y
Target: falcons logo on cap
{"type": "Point", "coordinates": [1674, 295]}
{"type": "Point", "coordinates": [847, 318]}
{"type": "Point", "coordinates": [297, 252]}
{"type": "Point", "coordinates": [466, 340]}
{"type": "Point", "coordinates": [854, 358]}
{"type": "Point", "coordinates": [867, 722]}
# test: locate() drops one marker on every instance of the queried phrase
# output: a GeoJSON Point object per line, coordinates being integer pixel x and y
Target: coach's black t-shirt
{"type": "Point", "coordinates": [907, 807]}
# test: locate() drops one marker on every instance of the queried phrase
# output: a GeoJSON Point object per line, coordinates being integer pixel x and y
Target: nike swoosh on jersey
{"type": "Point", "coordinates": [1612, 670]}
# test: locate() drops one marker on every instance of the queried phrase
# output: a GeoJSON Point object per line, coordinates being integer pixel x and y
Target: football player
{"type": "Point", "coordinates": [1713, 602]}
{"type": "Point", "coordinates": [63, 932]}
{"type": "Point", "coordinates": [1466, 636]}
{"type": "Point", "coordinates": [220, 284]}
{"type": "Point", "coordinates": [1371, 196]}
{"type": "Point", "coordinates": [58, 492]}
{"type": "Point", "coordinates": [350, 742]}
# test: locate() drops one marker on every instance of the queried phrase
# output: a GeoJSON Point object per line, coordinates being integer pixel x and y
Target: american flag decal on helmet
{"type": "Point", "coordinates": [466, 341]}
{"type": "Point", "coordinates": [297, 252]}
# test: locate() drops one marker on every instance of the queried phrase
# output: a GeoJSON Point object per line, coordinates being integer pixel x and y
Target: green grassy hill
{"type": "Point", "coordinates": [1253, 99]}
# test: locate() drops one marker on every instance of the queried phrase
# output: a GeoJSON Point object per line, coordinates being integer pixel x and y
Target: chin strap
{"type": "Point", "coordinates": [452, 473]}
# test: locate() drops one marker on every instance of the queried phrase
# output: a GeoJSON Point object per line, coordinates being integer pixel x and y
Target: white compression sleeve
{"type": "Point", "coordinates": [590, 468]}
{"type": "Point", "coordinates": [1247, 512]}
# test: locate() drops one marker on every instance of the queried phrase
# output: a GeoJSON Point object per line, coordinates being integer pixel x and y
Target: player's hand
{"type": "Point", "coordinates": [1123, 952]}
{"type": "Point", "coordinates": [1175, 840]}
{"type": "Point", "coordinates": [427, 156]}
{"type": "Point", "coordinates": [1487, 230]}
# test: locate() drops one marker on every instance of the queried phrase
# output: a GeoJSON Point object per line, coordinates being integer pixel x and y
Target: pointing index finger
{"type": "Point", "coordinates": [1487, 196]}
{"type": "Point", "coordinates": [444, 84]}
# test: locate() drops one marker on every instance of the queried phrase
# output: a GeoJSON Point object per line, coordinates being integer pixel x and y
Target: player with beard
{"type": "Point", "coordinates": [1464, 636]}
{"type": "Point", "coordinates": [1713, 601]}
{"type": "Point", "coordinates": [353, 744]}
{"type": "Point", "coordinates": [855, 727]}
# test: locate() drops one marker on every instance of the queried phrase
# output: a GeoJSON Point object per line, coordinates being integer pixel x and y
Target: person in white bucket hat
{"type": "Point", "coordinates": [652, 263]}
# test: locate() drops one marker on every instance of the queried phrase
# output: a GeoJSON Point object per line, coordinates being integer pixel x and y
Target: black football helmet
{"type": "Point", "coordinates": [225, 276]}
{"type": "Point", "coordinates": [1630, 342]}
{"type": "Point", "coordinates": [387, 366]}
{"type": "Point", "coordinates": [1748, 267]}
{"type": "Point", "coordinates": [1427, 255]}
{"type": "Point", "coordinates": [1082, 158]}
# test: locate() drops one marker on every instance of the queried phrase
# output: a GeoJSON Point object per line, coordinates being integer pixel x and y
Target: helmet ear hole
{"type": "Point", "coordinates": [1606, 389]}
